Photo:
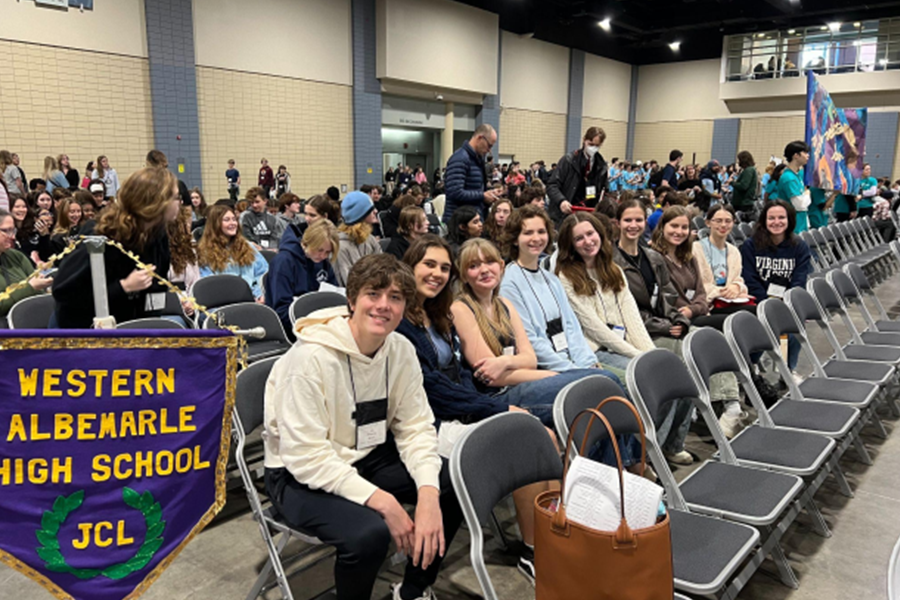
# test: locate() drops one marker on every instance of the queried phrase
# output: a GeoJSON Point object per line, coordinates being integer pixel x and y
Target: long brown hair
{"type": "Point", "coordinates": [438, 308]}
{"type": "Point", "coordinates": [658, 241]}
{"type": "Point", "coordinates": [63, 224]}
{"type": "Point", "coordinates": [510, 239]}
{"type": "Point", "coordinates": [181, 246]}
{"type": "Point", "coordinates": [571, 265]}
{"type": "Point", "coordinates": [493, 230]}
{"type": "Point", "coordinates": [203, 208]}
{"type": "Point", "coordinates": [98, 166]}
{"type": "Point", "coordinates": [761, 237]}
{"type": "Point", "coordinates": [138, 213]}
{"type": "Point", "coordinates": [472, 251]}
{"type": "Point", "coordinates": [215, 250]}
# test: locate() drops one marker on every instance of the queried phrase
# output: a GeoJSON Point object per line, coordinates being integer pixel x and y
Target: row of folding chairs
{"type": "Point", "coordinates": [857, 241]}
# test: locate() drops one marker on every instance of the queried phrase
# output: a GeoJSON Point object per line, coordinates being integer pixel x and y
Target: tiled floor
{"type": "Point", "coordinates": [223, 561]}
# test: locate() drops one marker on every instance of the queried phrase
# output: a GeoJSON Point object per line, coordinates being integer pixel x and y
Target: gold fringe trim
{"type": "Point", "coordinates": [232, 359]}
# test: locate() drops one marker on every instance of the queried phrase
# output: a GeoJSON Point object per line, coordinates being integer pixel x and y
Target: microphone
{"type": "Point", "coordinates": [254, 332]}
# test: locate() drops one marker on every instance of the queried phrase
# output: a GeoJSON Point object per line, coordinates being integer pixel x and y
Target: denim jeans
{"type": "Point", "coordinates": [539, 395]}
{"type": "Point", "coordinates": [793, 352]}
{"type": "Point", "coordinates": [617, 363]}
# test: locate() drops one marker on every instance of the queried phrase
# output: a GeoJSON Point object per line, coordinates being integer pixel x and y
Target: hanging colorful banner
{"type": "Point", "coordinates": [113, 448]}
{"type": "Point", "coordinates": [836, 138]}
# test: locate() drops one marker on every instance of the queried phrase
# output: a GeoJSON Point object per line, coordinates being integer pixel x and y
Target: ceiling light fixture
{"type": "Point", "coordinates": [792, 31]}
{"type": "Point", "coordinates": [675, 46]}
{"type": "Point", "coordinates": [857, 24]}
{"type": "Point", "coordinates": [605, 24]}
{"type": "Point", "coordinates": [823, 28]}
{"type": "Point", "coordinates": [834, 27]}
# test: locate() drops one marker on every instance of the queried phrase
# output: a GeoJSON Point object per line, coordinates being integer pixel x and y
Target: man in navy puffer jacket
{"type": "Point", "coordinates": [300, 266]}
{"type": "Point", "coordinates": [465, 179]}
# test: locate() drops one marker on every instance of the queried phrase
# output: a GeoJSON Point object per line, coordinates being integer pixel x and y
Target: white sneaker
{"type": "Point", "coordinates": [798, 378]}
{"type": "Point", "coordinates": [680, 458]}
{"type": "Point", "coordinates": [426, 595]}
{"type": "Point", "coordinates": [731, 424]}
{"type": "Point", "coordinates": [649, 473]}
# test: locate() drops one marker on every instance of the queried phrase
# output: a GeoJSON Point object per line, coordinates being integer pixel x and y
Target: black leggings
{"type": "Point", "coordinates": [359, 534]}
{"type": "Point", "coordinates": [716, 317]}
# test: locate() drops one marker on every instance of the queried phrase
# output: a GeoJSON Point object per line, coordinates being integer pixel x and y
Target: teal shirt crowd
{"type": "Point", "coordinates": [790, 184]}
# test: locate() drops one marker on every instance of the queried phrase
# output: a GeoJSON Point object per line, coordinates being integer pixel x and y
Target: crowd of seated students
{"type": "Point", "coordinates": [500, 314]}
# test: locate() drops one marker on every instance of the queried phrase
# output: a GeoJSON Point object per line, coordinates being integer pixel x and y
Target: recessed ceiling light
{"type": "Point", "coordinates": [605, 24]}
{"type": "Point", "coordinates": [792, 31]}
{"type": "Point", "coordinates": [675, 46]}
{"type": "Point", "coordinates": [834, 27]}
{"type": "Point", "coordinates": [857, 24]}
{"type": "Point", "coordinates": [823, 28]}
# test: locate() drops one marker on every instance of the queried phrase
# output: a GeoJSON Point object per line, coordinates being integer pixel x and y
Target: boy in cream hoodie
{"type": "Point", "coordinates": [349, 435]}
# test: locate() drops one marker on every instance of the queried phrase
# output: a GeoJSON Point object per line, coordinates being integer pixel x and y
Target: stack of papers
{"type": "Point", "coordinates": [592, 497]}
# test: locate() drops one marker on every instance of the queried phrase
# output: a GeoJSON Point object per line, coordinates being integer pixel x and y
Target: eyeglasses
{"type": "Point", "coordinates": [722, 221]}
{"type": "Point", "coordinates": [11, 232]}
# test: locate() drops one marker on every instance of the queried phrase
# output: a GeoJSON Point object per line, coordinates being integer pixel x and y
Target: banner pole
{"type": "Point", "coordinates": [96, 245]}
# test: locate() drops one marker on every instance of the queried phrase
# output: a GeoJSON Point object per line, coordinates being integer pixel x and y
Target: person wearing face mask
{"type": "Point", "coordinates": [579, 178]}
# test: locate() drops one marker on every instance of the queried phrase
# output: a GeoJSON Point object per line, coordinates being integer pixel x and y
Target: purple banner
{"type": "Point", "coordinates": [112, 454]}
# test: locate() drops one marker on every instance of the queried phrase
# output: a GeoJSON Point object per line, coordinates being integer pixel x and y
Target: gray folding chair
{"type": "Point", "coordinates": [248, 415]}
{"type": "Point", "coordinates": [746, 336]}
{"type": "Point", "coordinates": [32, 313]}
{"type": "Point", "coordinates": [763, 499]}
{"type": "Point", "coordinates": [490, 461]}
{"type": "Point", "coordinates": [150, 323]}
{"type": "Point", "coordinates": [893, 576]}
{"type": "Point", "coordinates": [221, 290]}
{"type": "Point", "coordinates": [831, 302]}
{"type": "Point", "coordinates": [248, 315]}
{"type": "Point", "coordinates": [843, 383]}
{"type": "Point", "coordinates": [809, 455]}
{"type": "Point", "coordinates": [313, 301]}
{"type": "Point", "coordinates": [809, 310]}
{"type": "Point", "coordinates": [706, 551]}
{"type": "Point", "coordinates": [864, 288]}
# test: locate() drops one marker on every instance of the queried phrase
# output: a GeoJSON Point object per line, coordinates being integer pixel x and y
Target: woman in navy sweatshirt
{"type": "Point", "coordinates": [775, 260]}
{"type": "Point", "coordinates": [301, 266]}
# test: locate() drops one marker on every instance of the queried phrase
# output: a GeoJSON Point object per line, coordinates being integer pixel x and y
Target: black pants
{"type": "Point", "coordinates": [865, 212]}
{"type": "Point", "coordinates": [841, 217]}
{"type": "Point", "coordinates": [716, 317]}
{"type": "Point", "coordinates": [359, 534]}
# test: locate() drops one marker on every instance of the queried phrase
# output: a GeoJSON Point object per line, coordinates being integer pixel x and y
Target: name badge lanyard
{"type": "Point", "coordinates": [365, 418]}
{"type": "Point", "coordinates": [544, 312]}
{"type": "Point", "coordinates": [618, 308]}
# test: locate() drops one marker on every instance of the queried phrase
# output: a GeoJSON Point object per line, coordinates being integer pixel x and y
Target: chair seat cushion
{"type": "Point", "coordinates": [784, 448]}
{"type": "Point", "coordinates": [876, 338]}
{"type": "Point", "coordinates": [874, 353]}
{"type": "Point", "coordinates": [266, 348]}
{"type": "Point", "coordinates": [706, 551]}
{"type": "Point", "coordinates": [824, 417]}
{"type": "Point", "coordinates": [859, 370]}
{"type": "Point", "coordinates": [888, 326]}
{"type": "Point", "coordinates": [750, 495]}
{"type": "Point", "coordinates": [854, 393]}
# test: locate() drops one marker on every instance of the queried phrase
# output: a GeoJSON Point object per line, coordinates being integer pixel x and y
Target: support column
{"type": "Point", "coordinates": [576, 100]}
{"type": "Point", "coordinates": [489, 111]}
{"type": "Point", "coordinates": [725, 140]}
{"type": "Point", "coordinates": [881, 143]}
{"type": "Point", "coordinates": [447, 135]}
{"type": "Point", "coordinates": [173, 85]}
{"type": "Point", "coordinates": [632, 114]}
{"type": "Point", "coordinates": [367, 146]}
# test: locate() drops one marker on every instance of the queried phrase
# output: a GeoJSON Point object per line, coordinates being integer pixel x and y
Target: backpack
{"type": "Point", "coordinates": [656, 179]}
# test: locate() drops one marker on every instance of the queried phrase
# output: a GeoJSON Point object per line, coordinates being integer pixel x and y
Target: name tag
{"type": "Point", "coordinates": [689, 294]}
{"type": "Point", "coordinates": [618, 331]}
{"type": "Point", "coordinates": [371, 423]}
{"type": "Point", "coordinates": [590, 192]}
{"type": "Point", "coordinates": [776, 291]}
{"type": "Point", "coordinates": [155, 302]}
{"type": "Point", "coordinates": [509, 351]}
{"type": "Point", "coordinates": [559, 341]}
{"type": "Point", "coordinates": [655, 296]}
{"type": "Point", "coordinates": [264, 243]}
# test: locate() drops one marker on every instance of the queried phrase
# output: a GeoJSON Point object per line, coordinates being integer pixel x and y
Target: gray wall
{"type": "Point", "coordinates": [576, 100]}
{"type": "Point", "coordinates": [881, 142]}
{"type": "Point", "coordinates": [366, 97]}
{"type": "Point", "coordinates": [725, 140]}
{"type": "Point", "coordinates": [173, 85]}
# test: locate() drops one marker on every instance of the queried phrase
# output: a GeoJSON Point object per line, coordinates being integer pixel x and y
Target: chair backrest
{"type": "Point", "coordinates": [250, 389]}
{"type": "Point", "coordinates": [657, 393]}
{"type": "Point", "coordinates": [313, 301]}
{"type": "Point", "coordinates": [803, 305]}
{"type": "Point", "coordinates": [269, 255]}
{"type": "Point", "coordinates": [698, 222]}
{"type": "Point", "coordinates": [221, 290]}
{"type": "Point", "coordinates": [150, 324]}
{"type": "Point", "coordinates": [32, 313]}
{"type": "Point", "coordinates": [703, 233]}
{"type": "Point", "coordinates": [746, 229]}
{"type": "Point", "coordinates": [498, 456]}
{"type": "Point", "coordinates": [893, 576]}
{"type": "Point", "coordinates": [247, 315]}
{"type": "Point", "coordinates": [858, 276]}
{"type": "Point", "coordinates": [824, 294]}
{"type": "Point", "coordinates": [748, 334]}
{"type": "Point", "coordinates": [385, 242]}
{"type": "Point", "coordinates": [710, 353]}
{"type": "Point", "coordinates": [843, 285]}
{"type": "Point", "coordinates": [588, 392]}
{"type": "Point", "coordinates": [778, 317]}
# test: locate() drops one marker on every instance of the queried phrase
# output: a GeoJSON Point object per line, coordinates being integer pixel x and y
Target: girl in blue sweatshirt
{"type": "Point", "coordinates": [775, 260]}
